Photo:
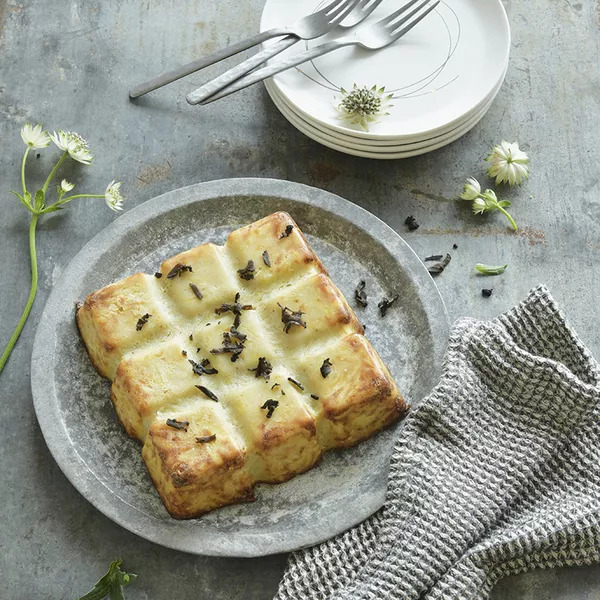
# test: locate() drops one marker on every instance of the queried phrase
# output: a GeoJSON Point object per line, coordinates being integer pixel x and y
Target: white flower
{"type": "Point", "coordinates": [490, 197]}
{"type": "Point", "coordinates": [509, 164]}
{"type": "Point", "coordinates": [34, 137]}
{"type": "Point", "coordinates": [479, 206]}
{"type": "Point", "coordinates": [113, 197]}
{"type": "Point", "coordinates": [66, 186]}
{"type": "Point", "coordinates": [74, 144]}
{"type": "Point", "coordinates": [362, 105]}
{"type": "Point", "coordinates": [472, 189]}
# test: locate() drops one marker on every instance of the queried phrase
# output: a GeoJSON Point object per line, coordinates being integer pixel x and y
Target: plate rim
{"type": "Point", "coordinates": [407, 137]}
{"type": "Point", "coordinates": [43, 389]}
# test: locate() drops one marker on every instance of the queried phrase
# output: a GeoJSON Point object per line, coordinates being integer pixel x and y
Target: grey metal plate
{"type": "Point", "coordinates": [81, 429]}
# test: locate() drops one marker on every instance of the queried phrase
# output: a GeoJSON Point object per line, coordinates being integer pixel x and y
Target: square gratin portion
{"type": "Point", "coordinates": [236, 364]}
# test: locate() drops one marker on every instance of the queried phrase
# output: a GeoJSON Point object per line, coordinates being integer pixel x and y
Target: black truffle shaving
{"type": "Point", "coordinates": [196, 291]}
{"type": "Point", "coordinates": [291, 317]}
{"type": "Point", "coordinates": [230, 346]}
{"type": "Point", "coordinates": [270, 405]}
{"type": "Point", "coordinates": [178, 424]}
{"type": "Point", "coordinates": [385, 305]}
{"type": "Point", "coordinates": [142, 321]}
{"type": "Point", "coordinates": [158, 275]}
{"type": "Point", "coordinates": [238, 335]}
{"type": "Point", "coordinates": [296, 383]}
{"type": "Point", "coordinates": [236, 308]}
{"type": "Point", "coordinates": [360, 295]}
{"type": "Point", "coordinates": [314, 396]}
{"type": "Point", "coordinates": [434, 257]}
{"type": "Point", "coordinates": [208, 393]}
{"type": "Point", "coordinates": [247, 272]}
{"type": "Point", "coordinates": [438, 267]}
{"type": "Point", "coordinates": [411, 223]}
{"type": "Point", "coordinates": [266, 259]}
{"type": "Point", "coordinates": [191, 337]}
{"type": "Point", "coordinates": [455, 246]}
{"type": "Point", "coordinates": [184, 353]}
{"type": "Point", "coordinates": [177, 270]}
{"type": "Point", "coordinates": [204, 368]}
{"type": "Point", "coordinates": [326, 368]}
{"type": "Point", "coordinates": [288, 230]}
{"type": "Point", "coordinates": [275, 385]}
{"type": "Point", "coordinates": [486, 293]}
{"type": "Point", "coordinates": [203, 439]}
{"type": "Point", "coordinates": [263, 369]}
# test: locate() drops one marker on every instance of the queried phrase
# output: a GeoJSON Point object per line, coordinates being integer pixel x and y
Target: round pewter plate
{"type": "Point", "coordinates": [80, 426]}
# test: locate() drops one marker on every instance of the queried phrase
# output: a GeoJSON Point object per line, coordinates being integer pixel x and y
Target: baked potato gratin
{"type": "Point", "coordinates": [236, 364]}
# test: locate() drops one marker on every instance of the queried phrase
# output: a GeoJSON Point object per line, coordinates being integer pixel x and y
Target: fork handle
{"type": "Point", "coordinates": [205, 61]}
{"type": "Point", "coordinates": [221, 82]}
{"type": "Point", "coordinates": [278, 67]}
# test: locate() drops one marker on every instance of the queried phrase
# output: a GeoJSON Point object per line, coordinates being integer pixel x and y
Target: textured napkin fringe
{"type": "Point", "coordinates": [495, 473]}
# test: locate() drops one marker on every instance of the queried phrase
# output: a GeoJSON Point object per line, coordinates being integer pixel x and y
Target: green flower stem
{"type": "Point", "coordinates": [32, 293]}
{"type": "Point", "coordinates": [23, 171]}
{"type": "Point", "coordinates": [53, 172]}
{"type": "Point", "coordinates": [512, 221]}
{"type": "Point", "coordinates": [68, 199]}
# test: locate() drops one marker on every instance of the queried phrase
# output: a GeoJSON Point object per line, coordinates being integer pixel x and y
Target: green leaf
{"type": "Point", "coordinates": [38, 203]}
{"type": "Point", "coordinates": [111, 583]}
{"type": "Point", "coordinates": [116, 593]}
{"type": "Point", "coordinates": [21, 199]}
{"type": "Point", "coordinates": [52, 208]}
{"type": "Point", "coordinates": [490, 269]}
{"type": "Point", "coordinates": [99, 591]}
{"type": "Point", "coordinates": [28, 198]}
{"type": "Point", "coordinates": [505, 203]}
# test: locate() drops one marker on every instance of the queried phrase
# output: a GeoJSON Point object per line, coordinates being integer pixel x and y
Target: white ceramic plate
{"type": "Point", "coordinates": [422, 148]}
{"type": "Point", "coordinates": [380, 145]}
{"type": "Point", "coordinates": [439, 71]}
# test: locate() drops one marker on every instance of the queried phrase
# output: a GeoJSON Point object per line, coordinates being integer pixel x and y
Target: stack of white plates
{"type": "Point", "coordinates": [444, 75]}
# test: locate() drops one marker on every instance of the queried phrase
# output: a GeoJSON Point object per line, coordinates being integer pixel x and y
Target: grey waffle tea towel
{"type": "Point", "coordinates": [495, 473]}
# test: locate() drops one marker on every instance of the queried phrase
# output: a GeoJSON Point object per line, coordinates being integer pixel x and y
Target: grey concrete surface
{"type": "Point", "coordinates": [68, 64]}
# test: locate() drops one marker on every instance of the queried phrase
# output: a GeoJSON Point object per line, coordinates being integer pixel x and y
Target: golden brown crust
{"type": "Point", "coordinates": [175, 366]}
{"type": "Point", "coordinates": [194, 477]}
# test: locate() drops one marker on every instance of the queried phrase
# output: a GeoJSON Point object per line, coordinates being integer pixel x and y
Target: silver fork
{"type": "Point", "coordinates": [371, 36]}
{"type": "Point", "coordinates": [306, 28]}
{"type": "Point", "coordinates": [358, 14]}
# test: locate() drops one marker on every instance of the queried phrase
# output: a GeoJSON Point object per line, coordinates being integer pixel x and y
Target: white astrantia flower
{"type": "Point", "coordinates": [508, 163]}
{"type": "Point", "coordinates": [490, 197]}
{"type": "Point", "coordinates": [74, 144]}
{"type": "Point", "coordinates": [479, 206]}
{"type": "Point", "coordinates": [362, 106]}
{"type": "Point", "coordinates": [34, 137]}
{"type": "Point", "coordinates": [113, 196]}
{"type": "Point", "coordinates": [472, 189]}
{"type": "Point", "coordinates": [66, 186]}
